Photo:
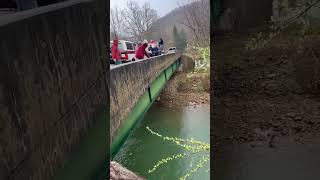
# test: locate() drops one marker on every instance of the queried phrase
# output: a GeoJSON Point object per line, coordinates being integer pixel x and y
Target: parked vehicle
{"type": "Point", "coordinates": [148, 49]}
{"type": "Point", "coordinates": [127, 50]}
{"type": "Point", "coordinates": [172, 50]}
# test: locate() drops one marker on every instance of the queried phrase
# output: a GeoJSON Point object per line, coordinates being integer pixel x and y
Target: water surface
{"type": "Point", "coordinates": [284, 162]}
{"type": "Point", "coordinates": [142, 150]}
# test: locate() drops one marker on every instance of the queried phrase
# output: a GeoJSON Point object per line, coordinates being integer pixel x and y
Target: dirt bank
{"type": "Point", "coordinates": [185, 89]}
{"type": "Point", "coordinates": [118, 172]}
{"type": "Point", "coordinates": [269, 96]}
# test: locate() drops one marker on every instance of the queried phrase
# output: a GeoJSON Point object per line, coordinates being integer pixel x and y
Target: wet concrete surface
{"type": "Point", "coordinates": [284, 162]}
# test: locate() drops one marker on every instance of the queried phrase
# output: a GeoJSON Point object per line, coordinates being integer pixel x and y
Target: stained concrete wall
{"type": "Point", "coordinates": [188, 63]}
{"type": "Point", "coordinates": [52, 84]}
{"type": "Point", "coordinates": [129, 82]}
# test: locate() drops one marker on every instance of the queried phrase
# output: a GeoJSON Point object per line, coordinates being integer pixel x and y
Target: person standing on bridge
{"type": "Point", "coordinates": [141, 51]}
{"type": "Point", "coordinates": [138, 45]}
{"type": "Point", "coordinates": [115, 52]}
{"type": "Point", "coordinates": [161, 45]}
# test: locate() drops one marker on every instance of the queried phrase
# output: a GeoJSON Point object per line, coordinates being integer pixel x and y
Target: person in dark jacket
{"type": "Point", "coordinates": [141, 51]}
{"type": "Point", "coordinates": [155, 51]}
{"type": "Point", "coordinates": [149, 47]}
{"type": "Point", "coordinates": [161, 45]}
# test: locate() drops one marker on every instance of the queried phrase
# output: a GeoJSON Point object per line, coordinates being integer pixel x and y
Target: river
{"type": "Point", "coordinates": [142, 150]}
{"type": "Point", "coordinates": [284, 161]}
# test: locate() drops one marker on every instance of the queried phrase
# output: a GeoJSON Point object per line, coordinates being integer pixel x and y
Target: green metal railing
{"type": "Point", "coordinates": [142, 106]}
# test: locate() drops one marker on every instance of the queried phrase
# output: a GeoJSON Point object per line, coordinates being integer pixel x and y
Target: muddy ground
{"type": "Point", "coordinates": [185, 89]}
{"type": "Point", "coordinates": [266, 97]}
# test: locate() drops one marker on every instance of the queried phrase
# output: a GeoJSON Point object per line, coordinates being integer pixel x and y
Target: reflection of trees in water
{"type": "Point", "coordinates": [193, 148]}
{"type": "Point", "coordinates": [282, 8]}
{"type": "Point", "coordinates": [240, 15]}
{"type": "Point", "coordinates": [296, 19]}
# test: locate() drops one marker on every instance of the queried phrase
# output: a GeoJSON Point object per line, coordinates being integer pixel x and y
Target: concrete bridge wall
{"type": "Point", "coordinates": [129, 82]}
{"type": "Point", "coordinates": [52, 84]}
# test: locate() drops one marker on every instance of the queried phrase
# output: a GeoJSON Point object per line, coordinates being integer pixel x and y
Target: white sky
{"type": "Point", "coordinates": [161, 6]}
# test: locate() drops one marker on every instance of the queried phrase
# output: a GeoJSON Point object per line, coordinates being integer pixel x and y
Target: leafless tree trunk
{"type": "Point", "coordinates": [116, 22]}
{"type": "Point", "coordinates": [197, 19]}
{"type": "Point", "coordinates": [139, 19]}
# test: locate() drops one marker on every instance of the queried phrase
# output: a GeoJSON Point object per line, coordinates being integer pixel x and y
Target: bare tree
{"type": "Point", "coordinates": [116, 22]}
{"type": "Point", "coordinates": [139, 19]}
{"type": "Point", "coordinates": [197, 20]}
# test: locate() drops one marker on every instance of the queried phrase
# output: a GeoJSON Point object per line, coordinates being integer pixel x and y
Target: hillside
{"type": "Point", "coordinates": [164, 26]}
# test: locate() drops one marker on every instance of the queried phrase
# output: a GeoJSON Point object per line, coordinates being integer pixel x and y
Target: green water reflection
{"type": "Point", "coordinates": [142, 150]}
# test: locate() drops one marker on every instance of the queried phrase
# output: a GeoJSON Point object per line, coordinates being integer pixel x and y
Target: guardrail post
{"type": "Point", "coordinates": [165, 75]}
{"type": "Point", "coordinates": [149, 92]}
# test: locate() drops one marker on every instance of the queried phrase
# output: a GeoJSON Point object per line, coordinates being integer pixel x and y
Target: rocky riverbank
{"type": "Point", "coordinates": [186, 89]}
{"type": "Point", "coordinates": [118, 172]}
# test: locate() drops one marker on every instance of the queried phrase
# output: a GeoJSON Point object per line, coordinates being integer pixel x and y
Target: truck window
{"type": "Point", "coordinates": [129, 46]}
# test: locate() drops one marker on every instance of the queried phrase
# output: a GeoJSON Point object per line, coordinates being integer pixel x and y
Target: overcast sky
{"type": "Point", "coordinates": [161, 6]}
